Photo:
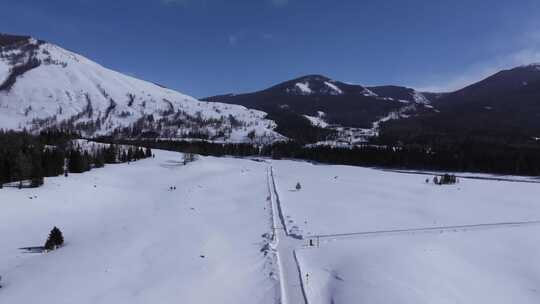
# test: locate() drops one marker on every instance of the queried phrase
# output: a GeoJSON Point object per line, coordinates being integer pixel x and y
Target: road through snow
{"type": "Point", "coordinates": [284, 245]}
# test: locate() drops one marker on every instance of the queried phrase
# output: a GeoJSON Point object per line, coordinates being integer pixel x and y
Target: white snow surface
{"type": "Point", "coordinates": [317, 121]}
{"type": "Point", "coordinates": [486, 264]}
{"type": "Point", "coordinates": [418, 97]}
{"type": "Point", "coordinates": [304, 88]}
{"type": "Point", "coordinates": [334, 88]}
{"type": "Point", "coordinates": [495, 266]}
{"type": "Point", "coordinates": [69, 86]}
{"type": "Point", "coordinates": [362, 199]}
{"type": "Point", "coordinates": [368, 92]}
{"type": "Point", "coordinates": [131, 240]}
{"type": "Point", "coordinates": [4, 70]}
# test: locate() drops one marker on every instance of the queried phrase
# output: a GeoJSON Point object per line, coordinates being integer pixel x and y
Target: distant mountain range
{"type": "Point", "coordinates": [503, 107]}
{"type": "Point", "coordinates": [44, 86]}
{"type": "Point", "coordinates": [320, 102]}
{"type": "Point", "coordinates": [506, 104]}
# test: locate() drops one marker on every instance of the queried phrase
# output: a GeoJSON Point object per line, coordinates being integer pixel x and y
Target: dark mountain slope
{"type": "Point", "coordinates": [505, 105]}
{"type": "Point", "coordinates": [336, 102]}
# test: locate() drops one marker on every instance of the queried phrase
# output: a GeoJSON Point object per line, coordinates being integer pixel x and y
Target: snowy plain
{"type": "Point", "coordinates": [130, 239]}
{"type": "Point", "coordinates": [495, 266]}
{"type": "Point", "coordinates": [342, 199]}
{"type": "Point", "coordinates": [496, 263]}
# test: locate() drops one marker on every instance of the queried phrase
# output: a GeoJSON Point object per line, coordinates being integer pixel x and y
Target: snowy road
{"type": "Point", "coordinates": [284, 244]}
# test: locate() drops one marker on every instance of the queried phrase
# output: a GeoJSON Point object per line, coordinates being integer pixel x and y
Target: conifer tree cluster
{"type": "Point", "coordinates": [134, 153]}
{"type": "Point", "coordinates": [80, 160]}
{"type": "Point", "coordinates": [456, 156]}
{"type": "Point", "coordinates": [27, 159]}
{"type": "Point", "coordinates": [55, 239]}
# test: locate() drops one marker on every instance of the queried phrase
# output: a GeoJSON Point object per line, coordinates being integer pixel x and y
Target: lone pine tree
{"type": "Point", "coordinates": [55, 239]}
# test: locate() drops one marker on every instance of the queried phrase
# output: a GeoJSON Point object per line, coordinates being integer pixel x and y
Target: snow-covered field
{"type": "Point", "coordinates": [476, 264]}
{"type": "Point", "coordinates": [342, 199]}
{"type": "Point", "coordinates": [130, 239]}
{"type": "Point", "coordinates": [495, 266]}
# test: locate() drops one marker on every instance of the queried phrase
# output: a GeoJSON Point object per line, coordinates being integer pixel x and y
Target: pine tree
{"type": "Point", "coordinates": [130, 154]}
{"type": "Point", "coordinates": [75, 162]}
{"type": "Point", "coordinates": [298, 186]}
{"type": "Point", "coordinates": [55, 240]}
{"type": "Point", "coordinates": [36, 178]}
{"type": "Point", "coordinates": [111, 154]}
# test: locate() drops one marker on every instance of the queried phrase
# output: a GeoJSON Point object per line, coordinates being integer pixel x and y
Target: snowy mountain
{"type": "Point", "coordinates": [318, 85]}
{"type": "Point", "coordinates": [43, 85]}
{"type": "Point", "coordinates": [320, 102]}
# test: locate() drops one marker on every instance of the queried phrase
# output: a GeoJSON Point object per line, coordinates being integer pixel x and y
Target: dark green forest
{"type": "Point", "coordinates": [457, 154]}
{"type": "Point", "coordinates": [27, 158]}
{"type": "Point", "coordinates": [30, 158]}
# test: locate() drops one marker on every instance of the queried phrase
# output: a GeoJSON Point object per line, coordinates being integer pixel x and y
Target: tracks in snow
{"type": "Point", "coordinates": [284, 245]}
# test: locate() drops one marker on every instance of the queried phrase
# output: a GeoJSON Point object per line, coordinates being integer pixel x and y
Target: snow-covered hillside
{"type": "Point", "coordinates": [44, 85]}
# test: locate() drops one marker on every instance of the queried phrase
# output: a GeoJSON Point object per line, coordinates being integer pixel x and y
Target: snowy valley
{"type": "Point", "coordinates": [247, 230]}
{"type": "Point", "coordinates": [269, 152]}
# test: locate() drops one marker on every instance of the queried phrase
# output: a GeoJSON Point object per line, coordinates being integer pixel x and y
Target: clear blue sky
{"type": "Point", "coordinates": [207, 47]}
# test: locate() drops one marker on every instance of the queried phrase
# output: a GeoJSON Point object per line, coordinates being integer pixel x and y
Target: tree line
{"type": "Point", "coordinates": [459, 156]}
{"type": "Point", "coordinates": [27, 158]}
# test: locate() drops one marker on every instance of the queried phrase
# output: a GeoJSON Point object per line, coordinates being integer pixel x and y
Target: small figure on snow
{"type": "Point", "coordinates": [298, 186]}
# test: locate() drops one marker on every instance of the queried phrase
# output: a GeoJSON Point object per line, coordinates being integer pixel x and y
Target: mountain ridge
{"type": "Point", "coordinates": [45, 86]}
